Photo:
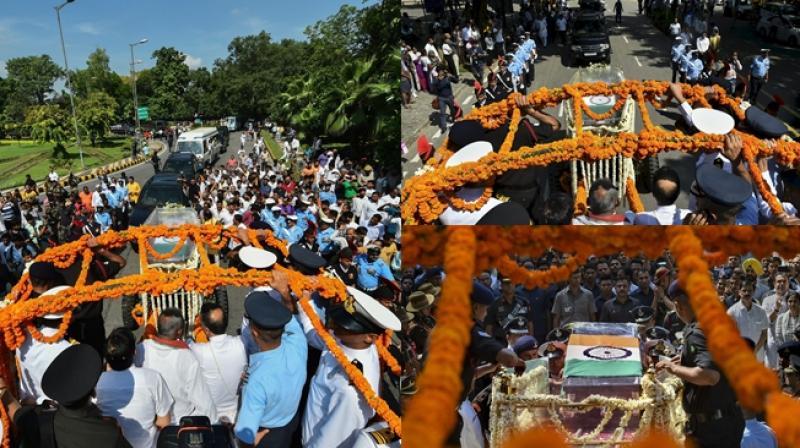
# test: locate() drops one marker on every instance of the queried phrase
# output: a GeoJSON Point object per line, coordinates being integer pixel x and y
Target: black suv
{"type": "Point", "coordinates": [589, 38]}
{"type": "Point", "coordinates": [161, 189]}
{"type": "Point", "coordinates": [183, 163]}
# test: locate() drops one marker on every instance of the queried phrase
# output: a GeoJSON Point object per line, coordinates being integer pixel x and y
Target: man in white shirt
{"type": "Point", "coordinates": [703, 43]}
{"type": "Point", "coordinates": [775, 304]}
{"type": "Point", "coordinates": [97, 197]}
{"type": "Point", "coordinates": [375, 228]}
{"type": "Point", "coordinates": [137, 397]}
{"type": "Point", "coordinates": [675, 28]}
{"type": "Point", "coordinates": [53, 176]}
{"type": "Point", "coordinates": [370, 208]}
{"type": "Point", "coordinates": [226, 215]}
{"type": "Point", "coordinates": [222, 360]}
{"type": "Point", "coordinates": [170, 356]}
{"type": "Point", "coordinates": [750, 318]}
{"type": "Point", "coordinates": [666, 189]}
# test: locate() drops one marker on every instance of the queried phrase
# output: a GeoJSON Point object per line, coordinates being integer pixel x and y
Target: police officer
{"type": "Point", "coordinates": [482, 347]}
{"type": "Point", "coordinates": [74, 421]}
{"type": "Point", "coordinates": [714, 418]}
{"type": "Point", "coordinates": [325, 235]}
{"type": "Point", "coordinates": [371, 269]}
{"type": "Point", "coordinates": [759, 74]}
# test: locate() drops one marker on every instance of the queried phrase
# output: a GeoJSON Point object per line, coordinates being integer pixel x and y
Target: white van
{"type": "Point", "coordinates": [204, 143]}
{"type": "Point", "coordinates": [232, 123]}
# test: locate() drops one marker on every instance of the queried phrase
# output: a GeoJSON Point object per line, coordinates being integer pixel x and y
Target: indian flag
{"type": "Point", "coordinates": [602, 355]}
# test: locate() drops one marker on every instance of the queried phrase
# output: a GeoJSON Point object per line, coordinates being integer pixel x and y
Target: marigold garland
{"type": "Point", "coordinates": [356, 376]}
{"type": "Point", "coordinates": [461, 204]}
{"type": "Point", "coordinates": [634, 201]}
{"type": "Point", "coordinates": [424, 197]}
{"type": "Point", "coordinates": [382, 345]}
{"type": "Point", "coordinates": [430, 414]}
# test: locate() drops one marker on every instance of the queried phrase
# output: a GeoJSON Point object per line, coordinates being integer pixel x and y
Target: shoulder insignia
{"type": "Point", "coordinates": [383, 436]}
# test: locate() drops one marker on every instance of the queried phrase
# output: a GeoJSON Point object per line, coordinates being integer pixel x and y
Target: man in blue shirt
{"type": "Point", "coordinates": [759, 74]}
{"type": "Point", "coordinates": [113, 198]}
{"type": "Point", "coordinates": [273, 218]}
{"type": "Point", "coordinates": [327, 194]}
{"type": "Point", "coordinates": [292, 232]}
{"type": "Point", "coordinates": [271, 397]}
{"type": "Point", "coordinates": [370, 270]}
{"type": "Point", "coordinates": [675, 55]}
{"type": "Point", "coordinates": [325, 235]}
{"type": "Point", "coordinates": [304, 215]}
{"type": "Point", "coordinates": [692, 66]}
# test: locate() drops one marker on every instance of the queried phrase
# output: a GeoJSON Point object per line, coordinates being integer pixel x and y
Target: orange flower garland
{"type": "Point", "coordinates": [634, 201]}
{"type": "Point", "coordinates": [355, 375]}
{"type": "Point", "coordinates": [581, 199]}
{"type": "Point", "coordinates": [382, 345]}
{"type": "Point", "coordinates": [461, 204]}
{"type": "Point", "coordinates": [537, 279]}
{"type": "Point", "coordinates": [424, 196]}
{"type": "Point", "coordinates": [431, 413]}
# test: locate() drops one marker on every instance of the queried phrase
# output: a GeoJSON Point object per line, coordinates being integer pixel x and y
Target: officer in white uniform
{"type": "Point", "coordinates": [455, 216]}
{"type": "Point", "coordinates": [336, 412]}
{"type": "Point", "coordinates": [377, 435]}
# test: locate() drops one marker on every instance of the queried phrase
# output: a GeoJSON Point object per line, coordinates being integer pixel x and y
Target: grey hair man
{"type": "Point", "coordinates": [603, 202]}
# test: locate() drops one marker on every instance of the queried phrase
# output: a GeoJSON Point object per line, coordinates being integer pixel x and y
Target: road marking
{"type": "Point", "coordinates": [626, 39]}
{"type": "Point", "coordinates": [437, 134]}
{"type": "Point", "coordinates": [467, 101]}
{"type": "Point", "coordinates": [637, 60]}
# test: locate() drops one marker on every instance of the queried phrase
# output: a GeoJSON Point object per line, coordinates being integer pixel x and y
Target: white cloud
{"type": "Point", "coordinates": [88, 28]}
{"type": "Point", "coordinates": [193, 62]}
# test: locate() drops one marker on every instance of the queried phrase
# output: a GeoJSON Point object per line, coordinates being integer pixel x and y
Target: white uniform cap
{"type": "Point", "coordinates": [292, 217]}
{"type": "Point", "coordinates": [373, 310]}
{"type": "Point", "coordinates": [325, 219]}
{"type": "Point", "coordinates": [470, 153]}
{"type": "Point", "coordinates": [276, 208]}
{"type": "Point", "coordinates": [257, 258]}
{"type": "Point", "coordinates": [712, 121]}
{"type": "Point", "coordinates": [52, 292]}
{"type": "Point", "coordinates": [269, 201]}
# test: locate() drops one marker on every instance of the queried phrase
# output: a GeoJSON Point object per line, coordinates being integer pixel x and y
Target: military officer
{"type": "Point", "coordinates": [714, 417]}
{"type": "Point", "coordinates": [325, 235]}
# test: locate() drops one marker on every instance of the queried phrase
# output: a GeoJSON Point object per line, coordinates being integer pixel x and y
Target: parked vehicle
{"type": "Point", "coordinates": [772, 9]}
{"type": "Point", "coordinates": [122, 129]}
{"type": "Point", "coordinates": [589, 38]}
{"type": "Point", "coordinates": [232, 123]}
{"type": "Point", "coordinates": [780, 28]}
{"type": "Point", "coordinates": [204, 143]}
{"type": "Point", "coordinates": [744, 8]}
{"type": "Point", "coordinates": [158, 191]}
{"type": "Point", "coordinates": [182, 163]}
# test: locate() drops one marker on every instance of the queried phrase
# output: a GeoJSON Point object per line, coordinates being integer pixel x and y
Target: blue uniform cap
{"type": "Point", "coordinates": [481, 295]}
{"type": "Point", "coordinates": [722, 187]}
{"type": "Point", "coordinates": [264, 312]}
{"type": "Point", "coordinates": [763, 124]}
{"type": "Point", "coordinates": [524, 344]}
{"type": "Point", "coordinates": [304, 260]}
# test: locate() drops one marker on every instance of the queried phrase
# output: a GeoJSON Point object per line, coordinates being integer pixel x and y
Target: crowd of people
{"type": "Point", "coordinates": [513, 324]}
{"type": "Point", "coordinates": [268, 380]}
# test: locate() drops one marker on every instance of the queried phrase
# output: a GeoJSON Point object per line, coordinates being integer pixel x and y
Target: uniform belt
{"type": "Point", "coordinates": [718, 414]}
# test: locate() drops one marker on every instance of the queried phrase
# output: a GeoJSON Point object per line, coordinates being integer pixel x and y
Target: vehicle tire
{"type": "Point", "coordinates": [128, 304]}
{"type": "Point", "coordinates": [645, 172]}
{"type": "Point", "coordinates": [221, 298]}
{"type": "Point", "coordinates": [607, 60]}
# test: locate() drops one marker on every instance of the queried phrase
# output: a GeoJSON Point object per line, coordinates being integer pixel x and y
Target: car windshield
{"type": "Point", "coordinates": [193, 147]}
{"type": "Point", "coordinates": [589, 27]}
{"type": "Point", "coordinates": [161, 195]}
{"type": "Point", "coordinates": [178, 166]}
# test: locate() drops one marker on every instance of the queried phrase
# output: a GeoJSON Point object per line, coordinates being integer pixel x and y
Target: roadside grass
{"type": "Point", "coordinates": [21, 157]}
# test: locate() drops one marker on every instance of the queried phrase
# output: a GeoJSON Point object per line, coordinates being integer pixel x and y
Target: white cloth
{"type": "Point", "coordinates": [185, 381]}
{"type": "Point", "coordinates": [34, 357]}
{"type": "Point", "coordinates": [663, 215]}
{"type": "Point", "coordinates": [222, 361]}
{"type": "Point", "coordinates": [751, 323]}
{"type": "Point", "coordinates": [785, 327]}
{"type": "Point", "coordinates": [769, 304]}
{"type": "Point", "coordinates": [97, 199]}
{"type": "Point", "coordinates": [336, 412]}
{"type": "Point", "coordinates": [452, 216]}
{"type": "Point", "coordinates": [225, 217]}
{"type": "Point", "coordinates": [702, 44]}
{"type": "Point", "coordinates": [674, 29]}
{"type": "Point", "coordinates": [134, 397]}
{"type": "Point", "coordinates": [471, 433]}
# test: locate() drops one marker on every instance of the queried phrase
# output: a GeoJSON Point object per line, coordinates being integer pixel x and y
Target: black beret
{"type": "Point", "coordinates": [721, 186]}
{"type": "Point", "coordinates": [481, 294]}
{"type": "Point", "coordinates": [304, 260]}
{"type": "Point", "coordinates": [265, 312]}
{"type": "Point", "coordinates": [558, 334]}
{"type": "Point", "coordinates": [464, 132]}
{"type": "Point", "coordinates": [763, 124]}
{"type": "Point", "coordinates": [46, 271]}
{"type": "Point", "coordinates": [73, 374]}
{"type": "Point", "coordinates": [506, 214]}
{"type": "Point", "coordinates": [642, 314]}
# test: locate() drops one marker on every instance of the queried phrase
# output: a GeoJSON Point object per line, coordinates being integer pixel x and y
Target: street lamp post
{"type": "Point", "coordinates": [69, 83]}
{"type": "Point", "coordinates": [133, 79]}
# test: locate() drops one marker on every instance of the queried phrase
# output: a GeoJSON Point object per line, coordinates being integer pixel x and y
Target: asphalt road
{"type": "Point", "coordinates": [112, 310]}
{"type": "Point", "coordinates": [641, 51]}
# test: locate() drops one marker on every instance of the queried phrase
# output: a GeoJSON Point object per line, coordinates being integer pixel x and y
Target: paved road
{"type": "Point", "coordinates": [112, 311]}
{"type": "Point", "coordinates": [641, 51]}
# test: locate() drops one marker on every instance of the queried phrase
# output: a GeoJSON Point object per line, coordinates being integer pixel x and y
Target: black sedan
{"type": "Point", "coordinates": [160, 190]}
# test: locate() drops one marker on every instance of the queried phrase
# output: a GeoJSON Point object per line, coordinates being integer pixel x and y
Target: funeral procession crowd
{"type": "Point", "coordinates": [265, 381]}
{"type": "Point", "coordinates": [513, 324]}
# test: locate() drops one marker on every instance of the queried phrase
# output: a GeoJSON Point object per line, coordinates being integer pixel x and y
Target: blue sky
{"type": "Point", "coordinates": [200, 28]}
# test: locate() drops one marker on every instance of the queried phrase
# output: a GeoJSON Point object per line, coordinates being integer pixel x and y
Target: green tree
{"type": "Point", "coordinates": [48, 123]}
{"type": "Point", "coordinates": [96, 114]}
{"type": "Point", "coordinates": [170, 81]}
{"type": "Point", "coordinates": [98, 77]}
{"type": "Point", "coordinates": [33, 76]}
